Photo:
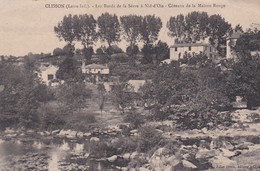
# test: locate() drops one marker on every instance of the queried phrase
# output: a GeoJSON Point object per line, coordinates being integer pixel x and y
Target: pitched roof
{"type": "Point", "coordinates": [189, 44]}
{"type": "Point", "coordinates": [96, 66]}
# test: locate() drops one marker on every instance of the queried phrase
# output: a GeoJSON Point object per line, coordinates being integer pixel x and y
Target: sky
{"type": "Point", "coordinates": [28, 25]}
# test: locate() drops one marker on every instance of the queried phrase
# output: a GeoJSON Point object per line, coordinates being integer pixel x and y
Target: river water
{"type": "Point", "coordinates": [48, 155]}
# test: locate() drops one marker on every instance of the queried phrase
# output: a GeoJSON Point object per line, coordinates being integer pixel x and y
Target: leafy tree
{"type": "Point", "coordinates": [73, 95]}
{"type": "Point", "coordinates": [131, 25]}
{"type": "Point", "coordinates": [65, 30]}
{"type": "Point", "coordinates": [68, 70]}
{"type": "Point", "coordinates": [85, 29]}
{"type": "Point", "coordinates": [197, 26]}
{"type": "Point", "coordinates": [249, 41]}
{"type": "Point", "coordinates": [244, 79]}
{"type": "Point", "coordinates": [148, 51]}
{"type": "Point", "coordinates": [132, 50]}
{"type": "Point", "coordinates": [161, 51]}
{"type": "Point", "coordinates": [122, 97]}
{"type": "Point", "coordinates": [192, 96]}
{"type": "Point", "coordinates": [150, 28]}
{"type": "Point", "coordinates": [176, 26]}
{"type": "Point", "coordinates": [88, 52]}
{"type": "Point", "coordinates": [109, 28]}
{"type": "Point", "coordinates": [58, 52]}
{"type": "Point", "coordinates": [20, 98]}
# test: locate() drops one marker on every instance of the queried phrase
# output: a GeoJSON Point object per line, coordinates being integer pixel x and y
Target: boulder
{"type": "Point", "coordinates": [204, 154]}
{"type": "Point", "coordinates": [94, 139]}
{"type": "Point", "coordinates": [227, 145]}
{"type": "Point", "coordinates": [244, 146]}
{"type": "Point", "coordinates": [126, 156]}
{"type": "Point", "coordinates": [112, 158]}
{"type": "Point", "coordinates": [132, 156]}
{"type": "Point", "coordinates": [188, 164]}
{"type": "Point", "coordinates": [222, 162]}
{"type": "Point", "coordinates": [227, 153]}
{"type": "Point", "coordinates": [143, 169]}
{"type": "Point", "coordinates": [204, 130]}
{"type": "Point", "coordinates": [55, 131]}
{"type": "Point", "coordinates": [87, 134]}
{"type": "Point", "coordinates": [160, 160]}
{"type": "Point", "coordinates": [80, 134]}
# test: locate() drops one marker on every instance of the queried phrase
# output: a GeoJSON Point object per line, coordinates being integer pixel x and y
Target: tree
{"type": "Point", "coordinates": [68, 70]}
{"type": "Point", "coordinates": [58, 52]}
{"type": "Point", "coordinates": [85, 28]}
{"type": "Point", "coordinates": [161, 51]}
{"type": "Point", "coordinates": [191, 96]}
{"type": "Point", "coordinates": [176, 25]}
{"type": "Point", "coordinates": [249, 41]}
{"type": "Point", "coordinates": [244, 79]}
{"type": "Point", "coordinates": [65, 30]}
{"type": "Point", "coordinates": [122, 97]}
{"type": "Point", "coordinates": [150, 28]}
{"type": "Point", "coordinates": [131, 25]}
{"type": "Point", "coordinates": [73, 95]}
{"type": "Point", "coordinates": [197, 26]}
{"type": "Point", "coordinates": [109, 28]}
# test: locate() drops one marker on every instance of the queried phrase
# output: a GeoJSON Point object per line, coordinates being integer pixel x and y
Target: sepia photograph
{"type": "Point", "coordinates": [127, 85]}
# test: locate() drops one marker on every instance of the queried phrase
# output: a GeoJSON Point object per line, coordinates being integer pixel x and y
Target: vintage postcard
{"type": "Point", "coordinates": [147, 85]}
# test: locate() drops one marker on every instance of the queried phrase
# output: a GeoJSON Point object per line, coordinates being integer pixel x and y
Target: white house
{"type": "Point", "coordinates": [96, 72]}
{"type": "Point", "coordinates": [47, 73]}
{"type": "Point", "coordinates": [95, 69]}
{"type": "Point", "coordinates": [177, 51]}
{"type": "Point", "coordinates": [231, 43]}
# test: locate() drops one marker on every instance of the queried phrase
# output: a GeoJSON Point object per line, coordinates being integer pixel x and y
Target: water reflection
{"type": "Point", "coordinates": [54, 156]}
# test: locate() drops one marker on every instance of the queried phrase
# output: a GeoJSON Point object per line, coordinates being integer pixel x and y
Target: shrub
{"type": "Point", "coordinates": [149, 138]}
{"type": "Point", "coordinates": [134, 119]}
{"type": "Point", "coordinates": [49, 118]}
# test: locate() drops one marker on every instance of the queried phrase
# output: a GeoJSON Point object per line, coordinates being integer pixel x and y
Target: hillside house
{"type": "Point", "coordinates": [47, 73]}
{"type": "Point", "coordinates": [96, 72]}
{"type": "Point", "coordinates": [178, 51]}
{"type": "Point", "coordinates": [231, 43]}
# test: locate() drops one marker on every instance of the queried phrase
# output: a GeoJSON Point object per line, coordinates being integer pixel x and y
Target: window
{"type": "Point", "coordinates": [189, 48]}
{"type": "Point", "coordinates": [50, 76]}
{"type": "Point", "coordinates": [176, 49]}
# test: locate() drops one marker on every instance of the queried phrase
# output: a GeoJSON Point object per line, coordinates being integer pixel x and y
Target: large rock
{"type": "Point", "coordinates": [160, 160]}
{"type": "Point", "coordinates": [188, 164]}
{"type": "Point", "coordinates": [205, 154]}
{"type": "Point", "coordinates": [227, 153]}
{"type": "Point", "coordinates": [94, 139]}
{"type": "Point", "coordinates": [222, 162]}
{"type": "Point", "coordinates": [112, 158]}
{"type": "Point", "coordinates": [244, 146]}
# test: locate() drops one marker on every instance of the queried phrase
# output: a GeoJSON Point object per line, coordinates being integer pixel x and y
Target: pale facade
{"type": "Point", "coordinates": [231, 43]}
{"type": "Point", "coordinates": [95, 69]}
{"type": "Point", "coordinates": [177, 51]}
{"type": "Point", "coordinates": [47, 73]}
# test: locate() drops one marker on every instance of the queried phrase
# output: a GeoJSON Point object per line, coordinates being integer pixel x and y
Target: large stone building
{"type": "Point", "coordinates": [178, 51]}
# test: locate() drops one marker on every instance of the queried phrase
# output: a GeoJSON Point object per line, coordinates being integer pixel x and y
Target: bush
{"type": "Point", "coordinates": [50, 118]}
{"type": "Point", "coordinates": [126, 145]}
{"type": "Point", "coordinates": [149, 138]}
{"type": "Point", "coordinates": [134, 119]}
{"type": "Point", "coordinates": [101, 149]}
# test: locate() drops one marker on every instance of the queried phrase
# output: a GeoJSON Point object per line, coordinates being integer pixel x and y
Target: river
{"type": "Point", "coordinates": [48, 155]}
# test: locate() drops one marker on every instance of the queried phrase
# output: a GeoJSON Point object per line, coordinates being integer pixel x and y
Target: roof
{"type": "Point", "coordinates": [235, 35]}
{"type": "Point", "coordinates": [96, 66]}
{"type": "Point", "coordinates": [189, 44]}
